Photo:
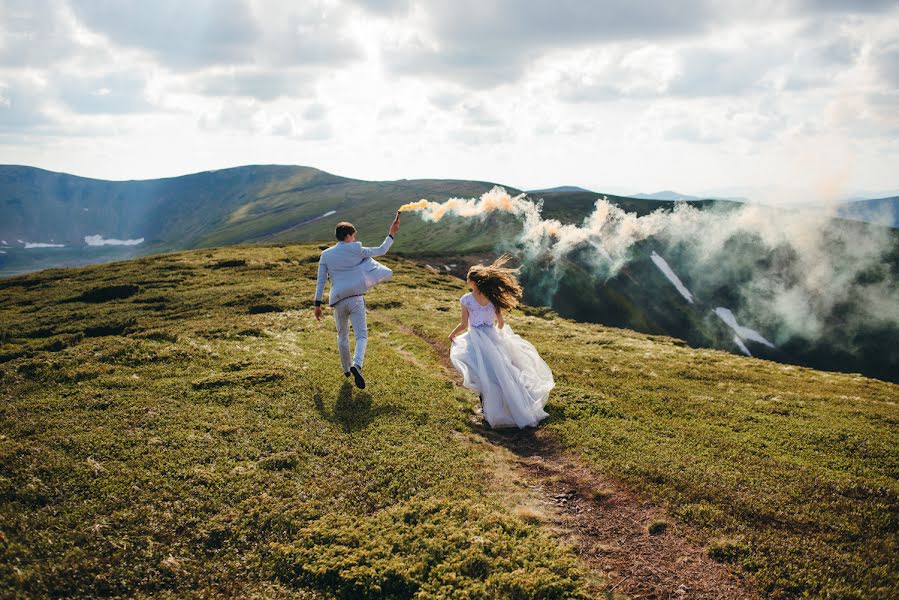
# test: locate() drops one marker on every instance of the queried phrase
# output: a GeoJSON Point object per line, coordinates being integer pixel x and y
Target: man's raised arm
{"type": "Point", "coordinates": [388, 241]}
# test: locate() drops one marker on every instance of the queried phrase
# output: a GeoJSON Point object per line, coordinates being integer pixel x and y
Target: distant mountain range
{"type": "Point", "coordinates": [666, 195]}
{"type": "Point", "coordinates": [883, 211]}
{"type": "Point", "coordinates": [50, 219]}
{"type": "Point", "coordinates": [53, 219]}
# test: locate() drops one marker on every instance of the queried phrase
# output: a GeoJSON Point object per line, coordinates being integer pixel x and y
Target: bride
{"type": "Point", "coordinates": [504, 369]}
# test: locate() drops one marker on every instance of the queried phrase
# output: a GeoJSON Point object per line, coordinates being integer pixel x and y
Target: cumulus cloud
{"type": "Point", "coordinates": [608, 74]}
{"type": "Point", "coordinates": [483, 44]}
{"type": "Point", "coordinates": [179, 34]}
{"type": "Point", "coordinates": [206, 33]}
{"type": "Point", "coordinates": [36, 33]}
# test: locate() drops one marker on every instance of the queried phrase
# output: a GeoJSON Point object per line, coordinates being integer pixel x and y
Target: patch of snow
{"type": "Point", "coordinates": [447, 267]}
{"type": "Point", "coordinates": [2, 251]}
{"type": "Point", "coordinates": [743, 332]}
{"type": "Point", "coordinates": [328, 214]}
{"type": "Point", "coordinates": [99, 240]}
{"type": "Point", "coordinates": [741, 345]}
{"type": "Point", "coordinates": [84, 209]}
{"type": "Point", "coordinates": [29, 245]}
{"type": "Point", "coordinates": [663, 266]}
{"type": "Point", "coordinates": [4, 242]}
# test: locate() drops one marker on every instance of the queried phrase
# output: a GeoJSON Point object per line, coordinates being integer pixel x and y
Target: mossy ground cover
{"type": "Point", "coordinates": [183, 439]}
{"type": "Point", "coordinates": [179, 425]}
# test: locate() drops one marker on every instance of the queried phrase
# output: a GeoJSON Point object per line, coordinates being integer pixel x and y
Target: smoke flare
{"type": "Point", "coordinates": [496, 199]}
{"type": "Point", "coordinates": [798, 270]}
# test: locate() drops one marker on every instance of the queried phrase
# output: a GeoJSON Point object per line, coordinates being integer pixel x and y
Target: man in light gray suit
{"type": "Point", "coordinates": [352, 271]}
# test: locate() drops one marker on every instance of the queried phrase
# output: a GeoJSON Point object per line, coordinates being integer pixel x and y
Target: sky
{"type": "Point", "coordinates": [788, 101]}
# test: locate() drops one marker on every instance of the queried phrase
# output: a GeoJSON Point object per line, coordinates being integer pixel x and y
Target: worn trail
{"type": "Point", "coordinates": [604, 520]}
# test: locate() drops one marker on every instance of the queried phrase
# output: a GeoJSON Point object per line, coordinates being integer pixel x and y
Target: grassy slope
{"type": "Point", "coordinates": [791, 473]}
{"type": "Point", "coordinates": [183, 438]}
{"type": "Point", "coordinates": [198, 435]}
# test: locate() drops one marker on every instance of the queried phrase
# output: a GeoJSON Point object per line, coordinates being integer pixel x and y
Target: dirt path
{"type": "Point", "coordinates": [601, 517]}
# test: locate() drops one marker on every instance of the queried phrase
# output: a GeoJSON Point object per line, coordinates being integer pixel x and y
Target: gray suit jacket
{"type": "Point", "coordinates": [351, 269]}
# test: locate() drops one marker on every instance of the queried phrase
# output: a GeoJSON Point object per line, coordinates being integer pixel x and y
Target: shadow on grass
{"type": "Point", "coordinates": [352, 409]}
{"type": "Point", "coordinates": [524, 443]}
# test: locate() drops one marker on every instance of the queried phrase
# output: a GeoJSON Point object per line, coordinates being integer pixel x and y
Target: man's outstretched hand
{"type": "Point", "coordinates": [318, 313]}
{"type": "Point", "coordinates": [395, 225]}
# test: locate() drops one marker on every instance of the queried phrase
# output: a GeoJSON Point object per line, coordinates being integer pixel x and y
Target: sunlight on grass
{"type": "Point", "coordinates": [180, 424]}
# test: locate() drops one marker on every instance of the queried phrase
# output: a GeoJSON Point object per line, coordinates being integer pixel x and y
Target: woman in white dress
{"type": "Point", "coordinates": [504, 369]}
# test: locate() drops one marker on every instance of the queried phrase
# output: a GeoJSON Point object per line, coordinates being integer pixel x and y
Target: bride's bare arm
{"type": "Point", "coordinates": [462, 326]}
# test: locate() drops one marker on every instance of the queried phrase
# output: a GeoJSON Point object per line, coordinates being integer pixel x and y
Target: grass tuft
{"type": "Point", "coordinates": [657, 526]}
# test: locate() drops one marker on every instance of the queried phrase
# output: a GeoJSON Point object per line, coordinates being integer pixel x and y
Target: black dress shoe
{"type": "Point", "coordinates": [347, 374]}
{"type": "Point", "coordinates": [357, 375]}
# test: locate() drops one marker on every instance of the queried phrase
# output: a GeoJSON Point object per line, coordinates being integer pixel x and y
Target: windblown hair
{"type": "Point", "coordinates": [344, 229]}
{"type": "Point", "coordinates": [497, 283]}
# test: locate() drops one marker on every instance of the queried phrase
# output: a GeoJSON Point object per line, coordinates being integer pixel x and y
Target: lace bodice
{"type": "Point", "coordinates": [478, 315]}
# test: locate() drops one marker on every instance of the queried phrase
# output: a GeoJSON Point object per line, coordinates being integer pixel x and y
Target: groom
{"type": "Point", "coordinates": [352, 272]}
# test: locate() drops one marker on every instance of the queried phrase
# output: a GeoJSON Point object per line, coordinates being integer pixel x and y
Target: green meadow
{"type": "Point", "coordinates": [178, 425]}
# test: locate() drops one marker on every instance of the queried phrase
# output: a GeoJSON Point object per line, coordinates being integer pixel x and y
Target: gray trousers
{"type": "Point", "coordinates": [349, 310]}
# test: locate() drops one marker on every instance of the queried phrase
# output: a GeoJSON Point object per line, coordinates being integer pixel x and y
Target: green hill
{"type": "Point", "coordinates": [257, 203]}
{"type": "Point", "coordinates": [178, 425]}
{"type": "Point", "coordinates": [250, 204]}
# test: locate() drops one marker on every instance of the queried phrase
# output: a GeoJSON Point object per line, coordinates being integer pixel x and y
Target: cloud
{"type": "Point", "coordinates": [179, 34]}
{"type": "Point", "coordinates": [598, 75]}
{"type": "Point", "coordinates": [707, 121]}
{"type": "Point", "coordinates": [390, 112]}
{"type": "Point", "coordinates": [111, 93]}
{"type": "Point", "coordinates": [846, 6]}
{"type": "Point", "coordinates": [35, 33]}
{"type": "Point", "coordinates": [253, 118]}
{"type": "Point", "coordinates": [717, 72]}
{"type": "Point", "coordinates": [488, 44]}
{"type": "Point", "coordinates": [479, 136]}
{"type": "Point", "coordinates": [206, 33]}
{"type": "Point", "coordinates": [264, 85]}
{"type": "Point", "coordinates": [479, 115]}
{"type": "Point", "coordinates": [888, 66]}
{"type": "Point", "coordinates": [315, 111]}
{"type": "Point", "coordinates": [21, 109]}
{"type": "Point", "coordinates": [384, 7]}
{"type": "Point", "coordinates": [446, 100]}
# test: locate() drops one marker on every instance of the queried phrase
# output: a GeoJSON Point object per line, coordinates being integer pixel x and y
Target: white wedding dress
{"type": "Point", "coordinates": [506, 370]}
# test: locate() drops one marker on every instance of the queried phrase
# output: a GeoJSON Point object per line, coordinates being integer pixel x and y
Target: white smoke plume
{"type": "Point", "coordinates": [812, 264]}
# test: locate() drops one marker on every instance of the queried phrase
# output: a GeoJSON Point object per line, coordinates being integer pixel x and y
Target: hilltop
{"type": "Point", "coordinates": [178, 424]}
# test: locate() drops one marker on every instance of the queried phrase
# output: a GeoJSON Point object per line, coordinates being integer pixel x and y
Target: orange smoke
{"type": "Point", "coordinates": [496, 199]}
{"type": "Point", "coordinates": [414, 205]}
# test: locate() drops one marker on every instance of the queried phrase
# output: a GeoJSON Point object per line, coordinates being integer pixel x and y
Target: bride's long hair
{"type": "Point", "coordinates": [497, 283]}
